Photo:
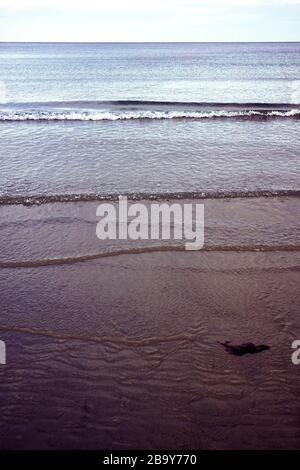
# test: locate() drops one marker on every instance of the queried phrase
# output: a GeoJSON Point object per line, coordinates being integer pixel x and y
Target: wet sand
{"type": "Point", "coordinates": [123, 351]}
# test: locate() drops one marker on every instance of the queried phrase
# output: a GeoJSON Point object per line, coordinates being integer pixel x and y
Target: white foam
{"type": "Point", "coordinates": [131, 115]}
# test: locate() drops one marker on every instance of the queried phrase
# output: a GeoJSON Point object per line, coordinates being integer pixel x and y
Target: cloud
{"type": "Point", "coordinates": [136, 8]}
{"type": "Point", "coordinates": [141, 20]}
{"type": "Point", "coordinates": [75, 4]}
{"type": "Point", "coordinates": [103, 5]}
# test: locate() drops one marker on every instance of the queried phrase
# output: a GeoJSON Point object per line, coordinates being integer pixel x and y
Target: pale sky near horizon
{"type": "Point", "coordinates": [151, 20]}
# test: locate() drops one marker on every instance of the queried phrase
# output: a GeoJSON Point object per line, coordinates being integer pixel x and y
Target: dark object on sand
{"type": "Point", "coordinates": [245, 348]}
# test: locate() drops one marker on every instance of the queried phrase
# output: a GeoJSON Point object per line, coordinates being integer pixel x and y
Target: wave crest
{"type": "Point", "coordinates": [16, 116]}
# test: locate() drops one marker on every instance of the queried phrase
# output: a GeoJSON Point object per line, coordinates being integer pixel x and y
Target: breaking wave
{"type": "Point", "coordinates": [143, 110]}
{"type": "Point", "coordinates": [159, 115]}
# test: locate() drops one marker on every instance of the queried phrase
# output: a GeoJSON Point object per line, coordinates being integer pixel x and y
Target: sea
{"type": "Point", "coordinates": [129, 344]}
{"type": "Point", "coordinates": [88, 120]}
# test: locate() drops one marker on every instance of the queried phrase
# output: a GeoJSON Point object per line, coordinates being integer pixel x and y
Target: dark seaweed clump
{"type": "Point", "coordinates": [245, 348]}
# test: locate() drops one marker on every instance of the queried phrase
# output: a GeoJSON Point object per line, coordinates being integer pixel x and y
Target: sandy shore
{"type": "Point", "coordinates": [123, 351]}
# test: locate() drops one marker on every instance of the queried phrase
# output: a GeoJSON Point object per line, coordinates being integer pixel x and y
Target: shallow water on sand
{"type": "Point", "coordinates": [124, 352]}
{"type": "Point", "coordinates": [150, 157]}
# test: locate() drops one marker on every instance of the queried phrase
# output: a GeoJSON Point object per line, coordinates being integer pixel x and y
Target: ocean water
{"type": "Point", "coordinates": [118, 344]}
{"type": "Point", "coordinates": [99, 119]}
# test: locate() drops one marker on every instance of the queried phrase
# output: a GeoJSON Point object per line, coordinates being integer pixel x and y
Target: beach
{"type": "Point", "coordinates": [120, 345]}
{"type": "Point", "coordinates": [119, 342]}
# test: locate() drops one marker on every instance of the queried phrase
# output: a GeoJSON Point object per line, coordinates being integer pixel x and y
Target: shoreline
{"type": "Point", "coordinates": [141, 196]}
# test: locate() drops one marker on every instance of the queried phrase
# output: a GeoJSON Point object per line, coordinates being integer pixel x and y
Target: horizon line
{"type": "Point", "coordinates": [147, 42]}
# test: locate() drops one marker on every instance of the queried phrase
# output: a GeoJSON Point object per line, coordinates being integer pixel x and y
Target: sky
{"type": "Point", "coordinates": [149, 20]}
